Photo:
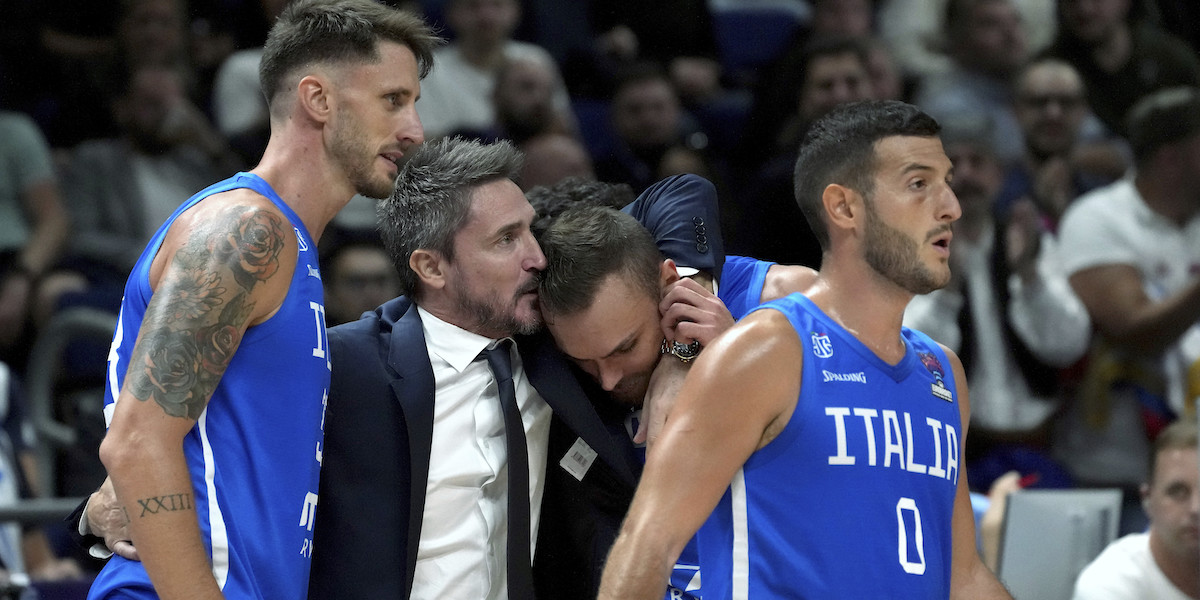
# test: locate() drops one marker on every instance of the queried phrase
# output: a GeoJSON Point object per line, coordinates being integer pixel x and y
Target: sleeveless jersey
{"type": "Point", "coordinates": [855, 497]}
{"type": "Point", "coordinates": [741, 285]}
{"type": "Point", "coordinates": [255, 451]}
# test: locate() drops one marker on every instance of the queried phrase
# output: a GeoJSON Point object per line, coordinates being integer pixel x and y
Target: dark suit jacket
{"type": "Point", "coordinates": [379, 426]}
{"type": "Point", "coordinates": [378, 431]}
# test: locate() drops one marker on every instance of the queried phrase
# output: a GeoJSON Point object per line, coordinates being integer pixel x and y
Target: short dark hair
{"type": "Point", "coordinates": [574, 192]}
{"type": "Point", "coordinates": [583, 246]}
{"type": "Point", "coordinates": [840, 148]}
{"type": "Point", "coordinates": [1162, 118]}
{"type": "Point", "coordinates": [1180, 435]}
{"type": "Point", "coordinates": [338, 31]}
{"type": "Point", "coordinates": [432, 197]}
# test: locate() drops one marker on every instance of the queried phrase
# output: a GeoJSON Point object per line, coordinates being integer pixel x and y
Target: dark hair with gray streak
{"type": "Point", "coordinates": [432, 198]}
{"type": "Point", "coordinates": [309, 32]}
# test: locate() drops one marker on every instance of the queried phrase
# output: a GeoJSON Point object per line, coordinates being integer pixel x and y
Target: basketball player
{"type": "Point", "coordinates": [218, 371]}
{"type": "Point", "coordinates": [823, 438]}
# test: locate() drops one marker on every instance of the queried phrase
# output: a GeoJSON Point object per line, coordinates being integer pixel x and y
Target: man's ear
{"type": "Point", "coordinates": [429, 267]}
{"type": "Point", "coordinates": [313, 93]}
{"type": "Point", "coordinates": [667, 272]}
{"type": "Point", "coordinates": [843, 206]}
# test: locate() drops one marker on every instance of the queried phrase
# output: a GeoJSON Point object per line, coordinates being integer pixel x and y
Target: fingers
{"type": "Point", "coordinates": [690, 312]}
{"type": "Point", "coordinates": [124, 549]}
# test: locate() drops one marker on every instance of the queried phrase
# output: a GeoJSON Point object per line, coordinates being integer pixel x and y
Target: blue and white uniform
{"type": "Point", "coordinates": [741, 285]}
{"type": "Point", "coordinates": [255, 452]}
{"type": "Point", "coordinates": [855, 497]}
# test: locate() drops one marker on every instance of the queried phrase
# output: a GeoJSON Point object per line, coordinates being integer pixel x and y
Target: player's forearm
{"type": "Point", "coordinates": [638, 568]}
{"type": "Point", "coordinates": [153, 486]}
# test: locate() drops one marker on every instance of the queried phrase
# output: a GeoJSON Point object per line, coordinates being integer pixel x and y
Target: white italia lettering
{"type": "Point", "coordinates": [893, 443]}
{"type": "Point", "coordinates": [867, 414]}
{"type": "Point", "coordinates": [913, 465]}
{"type": "Point", "coordinates": [899, 442]}
{"type": "Point", "coordinates": [839, 414]}
{"type": "Point", "coordinates": [319, 349]}
{"type": "Point", "coordinates": [936, 469]}
{"type": "Point", "coordinates": [951, 452]}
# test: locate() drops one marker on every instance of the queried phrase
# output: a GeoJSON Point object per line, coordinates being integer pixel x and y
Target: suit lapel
{"type": "Point", "coordinates": [553, 379]}
{"type": "Point", "coordinates": [414, 389]}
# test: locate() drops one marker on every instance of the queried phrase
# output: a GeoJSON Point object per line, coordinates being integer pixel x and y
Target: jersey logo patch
{"type": "Point", "coordinates": [822, 345]}
{"type": "Point", "coordinates": [934, 366]}
{"type": "Point", "coordinates": [313, 272]}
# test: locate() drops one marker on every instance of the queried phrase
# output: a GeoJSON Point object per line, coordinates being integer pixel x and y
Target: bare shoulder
{"type": "Point", "coordinates": [782, 280]}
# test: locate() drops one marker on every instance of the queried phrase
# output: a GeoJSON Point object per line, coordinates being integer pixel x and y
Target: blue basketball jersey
{"type": "Point", "coordinates": [855, 497]}
{"type": "Point", "coordinates": [741, 285]}
{"type": "Point", "coordinates": [255, 451]}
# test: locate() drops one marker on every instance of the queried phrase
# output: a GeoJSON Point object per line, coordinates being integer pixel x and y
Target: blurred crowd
{"type": "Point", "coordinates": [112, 112]}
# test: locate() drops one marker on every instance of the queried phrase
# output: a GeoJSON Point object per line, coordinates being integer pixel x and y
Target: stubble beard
{"type": "Point", "coordinates": [356, 161]}
{"type": "Point", "coordinates": [489, 315]}
{"type": "Point", "coordinates": [896, 257]}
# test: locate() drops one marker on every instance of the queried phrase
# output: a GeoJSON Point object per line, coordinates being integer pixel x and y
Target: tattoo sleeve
{"type": "Point", "coordinates": [200, 311]}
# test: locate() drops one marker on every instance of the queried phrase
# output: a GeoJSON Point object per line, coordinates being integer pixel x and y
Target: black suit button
{"type": "Point", "coordinates": [702, 248]}
{"type": "Point", "coordinates": [697, 220]}
{"type": "Point", "coordinates": [702, 239]}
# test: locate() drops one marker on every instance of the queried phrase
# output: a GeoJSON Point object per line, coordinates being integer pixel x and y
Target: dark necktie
{"type": "Point", "coordinates": [520, 575]}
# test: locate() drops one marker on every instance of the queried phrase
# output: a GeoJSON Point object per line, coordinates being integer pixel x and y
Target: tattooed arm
{"type": "Point", "coordinates": [225, 265]}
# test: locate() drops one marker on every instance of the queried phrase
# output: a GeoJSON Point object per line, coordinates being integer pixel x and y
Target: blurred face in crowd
{"type": "Point", "coordinates": [991, 38]}
{"type": "Point", "coordinates": [1050, 106]}
{"type": "Point", "coordinates": [830, 80]}
{"type": "Point", "coordinates": [152, 32]}
{"type": "Point", "coordinates": [1092, 21]}
{"type": "Point", "coordinates": [146, 108]}
{"type": "Point", "coordinates": [646, 113]}
{"type": "Point", "coordinates": [1172, 501]}
{"type": "Point", "coordinates": [886, 83]}
{"type": "Point", "coordinates": [553, 157]}
{"type": "Point", "coordinates": [524, 96]}
{"type": "Point", "coordinates": [616, 340]}
{"type": "Point", "coordinates": [483, 23]}
{"type": "Point", "coordinates": [358, 279]}
{"type": "Point", "coordinates": [851, 18]}
{"type": "Point", "coordinates": [908, 214]}
{"type": "Point", "coordinates": [977, 177]}
{"type": "Point", "coordinates": [375, 123]}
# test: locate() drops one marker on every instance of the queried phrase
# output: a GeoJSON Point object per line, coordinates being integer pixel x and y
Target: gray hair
{"type": "Point", "coordinates": [432, 197]}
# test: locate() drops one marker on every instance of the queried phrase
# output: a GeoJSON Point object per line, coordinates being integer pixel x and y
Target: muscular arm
{"type": "Point", "coordinates": [704, 444]}
{"type": "Point", "coordinates": [969, 577]}
{"type": "Point", "coordinates": [1120, 309]}
{"type": "Point", "coordinates": [218, 272]}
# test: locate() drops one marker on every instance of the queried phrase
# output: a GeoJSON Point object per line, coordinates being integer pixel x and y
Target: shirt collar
{"type": "Point", "coordinates": [455, 345]}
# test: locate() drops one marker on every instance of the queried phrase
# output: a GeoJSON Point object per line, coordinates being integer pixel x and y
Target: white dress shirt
{"type": "Point", "coordinates": [462, 551]}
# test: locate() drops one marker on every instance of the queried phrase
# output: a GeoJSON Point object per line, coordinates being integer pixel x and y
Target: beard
{"type": "Point", "coordinates": [356, 161]}
{"type": "Point", "coordinates": [489, 314]}
{"type": "Point", "coordinates": [894, 256]}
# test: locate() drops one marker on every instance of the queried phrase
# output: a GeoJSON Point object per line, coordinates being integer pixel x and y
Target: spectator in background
{"type": "Point", "coordinates": [1120, 60]}
{"type": "Point", "coordinates": [1008, 313]}
{"type": "Point", "coordinates": [34, 228]}
{"type": "Point", "coordinates": [1132, 253]}
{"type": "Point", "coordinates": [551, 158]}
{"type": "Point", "coordinates": [654, 140]}
{"type": "Point", "coordinates": [1056, 166]}
{"type": "Point", "coordinates": [1160, 563]}
{"type": "Point", "coordinates": [358, 276]}
{"type": "Point", "coordinates": [523, 101]}
{"type": "Point", "coordinates": [147, 32]}
{"type": "Point", "coordinates": [764, 220]}
{"type": "Point", "coordinates": [122, 189]}
{"type": "Point", "coordinates": [457, 95]}
{"type": "Point", "coordinates": [988, 46]}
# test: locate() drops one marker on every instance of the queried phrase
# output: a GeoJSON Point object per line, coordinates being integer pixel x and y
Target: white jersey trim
{"type": "Point", "coordinates": [741, 542]}
{"type": "Point", "coordinates": [216, 521]}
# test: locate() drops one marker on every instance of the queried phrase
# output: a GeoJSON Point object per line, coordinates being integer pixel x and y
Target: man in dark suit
{"type": "Point", "coordinates": [398, 460]}
{"type": "Point", "coordinates": [388, 526]}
